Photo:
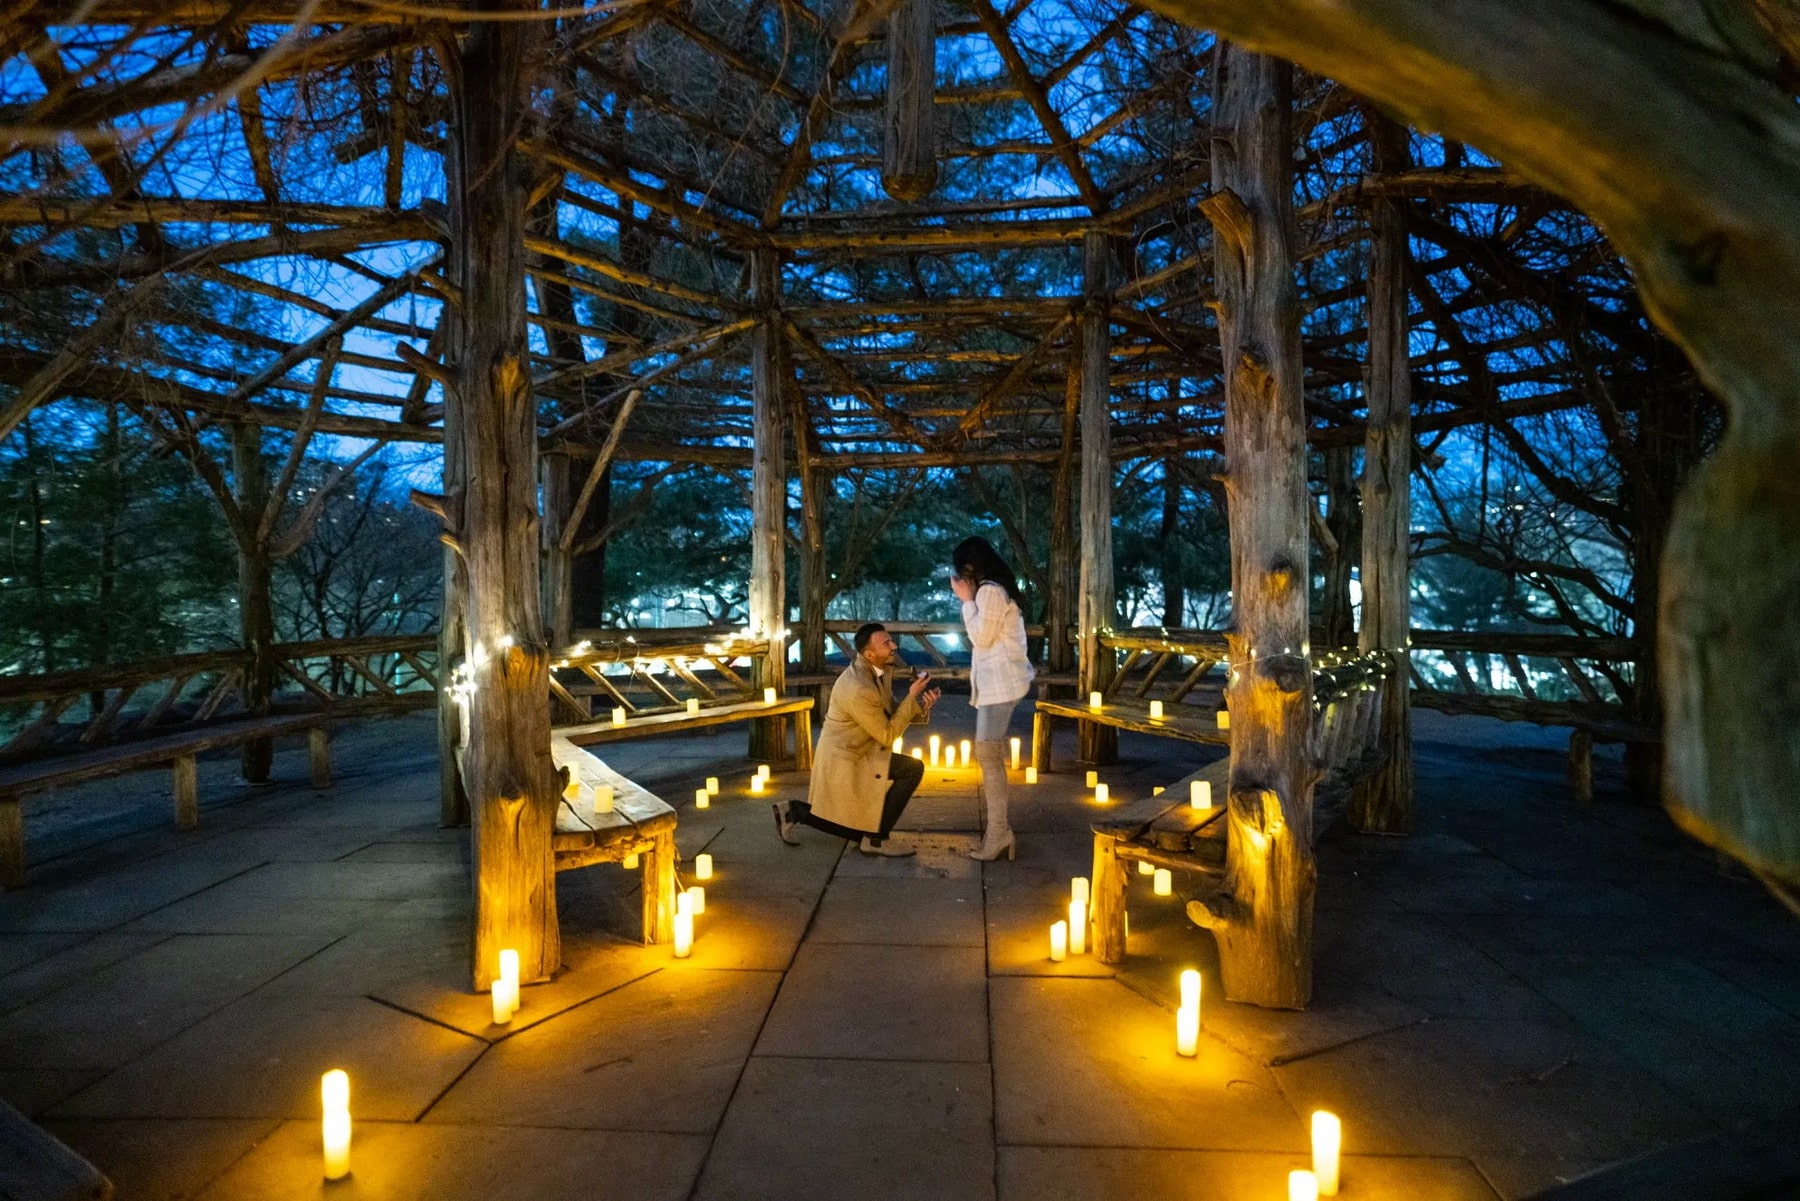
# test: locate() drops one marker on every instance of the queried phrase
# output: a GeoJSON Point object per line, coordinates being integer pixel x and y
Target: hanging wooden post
{"type": "Point", "coordinates": [1383, 801]}
{"type": "Point", "coordinates": [1338, 541]}
{"type": "Point", "coordinates": [1262, 914]}
{"type": "Point", "coordinates": [768, 501]}
{"type": "Point", "coordinates": [1099, 609]}
{"type": "Point", "coordinates": [909, 149]}
{"type": "Point", "coordinates": [1059, 611]}
{"type": "Point", "coordinates": [256, 598]}
{"type": "Point", "coordinates": [815, 587]}
{"type": "Point", "coordinates": [559, 566]}
{"type": "Point", "coordinates": [507, 767]}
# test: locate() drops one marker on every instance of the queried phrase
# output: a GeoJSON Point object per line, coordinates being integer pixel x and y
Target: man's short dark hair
{"type": "Point", "coordinates": [865, 632]}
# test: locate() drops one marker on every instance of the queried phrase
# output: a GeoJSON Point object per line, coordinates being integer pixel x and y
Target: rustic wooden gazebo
{"type": "Point", "coordinates": [801, 239]}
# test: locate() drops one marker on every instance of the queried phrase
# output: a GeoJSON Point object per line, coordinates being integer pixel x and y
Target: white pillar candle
{"type": "Point", "coordinates": [899, 745]}
{"type": "Point", "coordinates": [1187, 1031]}
{"type": "Point", "coordinates": [768, 696]}
{"type": "Point", "coordinates": [1101, 794]}
{"type": "Point", "coordinates": [1190, 990]}
{"type": "Point", "coordinates": [1200, 794]}
{"type": "Point", "coordinates": [1078, 927]}
{"type": "Point", "coordinates": [1031, 775]}
{"type": "Point", "coordinates": [703, 866]}
{"type": "Point", "coordinates": [684, 932]}
{"type": "Point", "coordinates": [1156, 710]}
{"type": "Point", "coordinates": [702, 798]}
{"type": "Point", "coordinates": [603, 798]}
{"type": "Point", "coordinates": [618, 716]}
{"type": "Point", "coordinates": [1164, 882]}
{"type": "Point", "coordinates": [684, 904]}
{"type": "Point", "coordinates": [756, 785]}
{"type": "Point", "coordinates": [334, 1093]}
{"type": "Point", "coordinates": [631, 862]}
{"type": "Point", "coordinates": [1017, 745]}
{"type": "Point", "coordinates": [712, 785]}
{"type": "Point", "coordinates": [509, 976]}
{"type": "Point", "coordinates": [967, 747]}
{"type": "Point", "coordinates": [1146, 868]}
{"type": "Point", "coordinates": [936, 744]}
{"type": "Point", "coordinates": [1093, 778]}
{"type": "Point", "coordinates": [1327, 1142]}
{"type": "Point", "coordinates": [1302, 1186]}
{"type": "Point", "coordinates": [1224, 719]}
{"type": "Point", "coordinates": [693, 705]}
{"type": "Point", "coordinates": [1094, 699]}
{"type": "Point", "coordinates": [1078, 889]}
{"type": "Point", "coordinates": [919, 753]}
{"type": "Point", "coordinates": [696, 899]}
{"type": "Point", "coordinates": [506, 1001]}
{"type": "Point", "coordinates": [1059, 941]}
{"type": "Point", "coordinates": [572, 790]}
{"type": "Point", "coordinates": [762, 769]}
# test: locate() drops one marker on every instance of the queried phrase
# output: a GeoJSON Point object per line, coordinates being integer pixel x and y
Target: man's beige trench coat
{"type": "Point", "coordinates": [850, 767]}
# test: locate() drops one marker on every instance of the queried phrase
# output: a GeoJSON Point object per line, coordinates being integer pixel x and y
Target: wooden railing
{"type": "Point", "coordinates": [179, 692]}
{"type": "Point", "coordinates": [652, 671]}
{"type": "Point", "coordinates": [935, 646]}
{"type": "Point", "coordinates": [1549, 679]}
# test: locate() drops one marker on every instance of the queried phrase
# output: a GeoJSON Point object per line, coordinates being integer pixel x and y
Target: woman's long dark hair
{"type": "Point", "coordinates": [977, 559]}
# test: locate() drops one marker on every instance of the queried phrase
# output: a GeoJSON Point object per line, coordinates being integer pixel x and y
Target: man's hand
{"type": "Point", "coordinates": [964, 589]}
{"type": "Point", "coordinates": [919, 684]}
{"type": "Point", "coordinates": [927, 700]}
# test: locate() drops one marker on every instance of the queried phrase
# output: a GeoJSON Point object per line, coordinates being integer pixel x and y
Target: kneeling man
{"type": "Point", "coordinates": [859, 785]}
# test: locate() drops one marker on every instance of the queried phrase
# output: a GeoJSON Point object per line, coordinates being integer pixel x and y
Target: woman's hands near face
{"type": "Point", "coordinates": [964, 588]}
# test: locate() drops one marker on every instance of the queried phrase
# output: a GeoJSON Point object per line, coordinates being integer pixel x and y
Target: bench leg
{"type": "Point", "coordinates": [659, 890]}
{"type": "Point", "coordinates": [803, 743]}
{"type": "Point", "coordinates": [12, 842]}
{"type": "Point", "coordinates": [1041, 732]}
{"type": "Point", "coordinates": [318, 751]}
{"type": "Point", "coordinates": [1581, 765]}
{"type": "Point", "coordinates": [1106, 906]}
{"type": "Point", "coordinates": [186, 787]}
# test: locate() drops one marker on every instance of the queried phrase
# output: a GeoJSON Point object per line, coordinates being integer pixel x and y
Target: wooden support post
{"type": "Point", "coordinates": [318, 755]}
{"type": "Point", "coordinates": [1043, 729]}
{"type": "Point", "coordinates": [1382, 803]}
{"type": "Point", "coordinates": [909, 144]}
{"type": "Point", "coordinates": [1099, 609]}
{"type": "Point", "coordinates": [803, 740]}
{"type": "Point", "coordinates": [12, 842]}
{"type": "Point", "coordinates": [658, 888]}
{"type": "Point", "coordinates": [1059, 612]}
{"type": "Point", "coordinates": [507, 766]}
{"type": "Point", "coordinates": [768, 500]}
{"type": "Point", "coordinates": [1262, 914]}
{"type": "Point", "coordinates": [453, 611]}
{"type": "Point", "coordinates": [814, 582]}
{"type": "Point", "coordinates": [1106, 910]}
{"type": "Point", "coordinates": [1581, 765]}
{"type": "Point", "coordinates": [256, 596]}
{"type": "Point", "coordinates": [559, 567]}
{"type": "Point", "coordinates": [184, 784]}
{"type": "Point", "coordinates": [1339, 540]}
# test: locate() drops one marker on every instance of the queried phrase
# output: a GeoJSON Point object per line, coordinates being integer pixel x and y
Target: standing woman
{"type": "Point", "coordinates": [999, 673]}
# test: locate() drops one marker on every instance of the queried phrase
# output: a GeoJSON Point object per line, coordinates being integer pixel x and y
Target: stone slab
{"type": "Point", "coordinates": [87, 954]}
{"type": "Point", "coordinates": [1493, 1088]}
{"type": "Point", "coordinates": [878, 912]}
{"type": "Point", "coordinates": [467, 1163]}
{"type": "Point", "coordinates": [889, 1002]}
{"type": "Point", "coordinates": [828, 1130]}
{"type": "Point", "coordinates": [1091, 1063]}
{"type": "Point", "coordinates": [662, 1053]}
{"type": "Point", "coordinates": [938, 856]}
{"type": "Point", "coordinates": [262, 1057]}
{"type": "Point", "coordinates": [114, 897]}
{"type": "Point", "coordinates": [116, 1014]}
{"type": "Point", "coordinates": [1120, 1174]}
{"type": "Point", "coordinates": [161, 1159]}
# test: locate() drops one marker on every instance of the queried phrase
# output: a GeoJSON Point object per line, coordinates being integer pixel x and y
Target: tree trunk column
{"type": "Point", "coordinates": [507, 765]}
{"type": "Point", "coordinates": [909, 146]}
{"type": "Point", "coordinates": [768, 501]}
{"type": "Point", "coordinates": [1383, 803]}
{"type": "Point", "coordinates": [1262, 916]}
{"type": "Point", "coordinates": [256, 600]}
{"type": "Point", "coordinates": [1059, 610]}
{"type": "Point", "coordinates": [559, 581]}
{"type": "Point", "coordinates": [1099, 609]}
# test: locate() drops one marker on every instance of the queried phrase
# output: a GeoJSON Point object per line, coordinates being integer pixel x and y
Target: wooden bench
{"type": "Point", "coordinates": [1163, 831]}
{"type": "Point", "coordinates": [34, 1166]}
{"type": "Point", "coordinates": [1189, 723]}
{"type": "Point", "coordinates": [179, 750]}
{"type": "Point", "coordinates": [640, 824]}
{"type": "Point", "coordinates": [649, 725]}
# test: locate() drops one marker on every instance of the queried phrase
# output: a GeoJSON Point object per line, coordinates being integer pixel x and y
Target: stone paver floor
{"type": "Point", "coordinates": [1519, 992]}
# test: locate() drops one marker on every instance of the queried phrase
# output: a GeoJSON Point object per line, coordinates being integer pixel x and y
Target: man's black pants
{"type": "Point", "coordinates": [904, 775]}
